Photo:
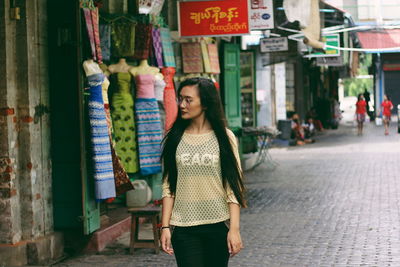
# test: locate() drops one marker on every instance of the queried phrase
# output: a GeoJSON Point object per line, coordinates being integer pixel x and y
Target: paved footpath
{"type": "Point", "coordinates": [332, 203]}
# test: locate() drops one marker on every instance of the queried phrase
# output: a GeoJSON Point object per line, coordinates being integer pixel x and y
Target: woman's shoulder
{"type": "Point", "coordinates": [229, 133]}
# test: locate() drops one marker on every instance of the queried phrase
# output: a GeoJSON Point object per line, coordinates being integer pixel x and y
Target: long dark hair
{"type": "Point", "coordinates": [214, 114]}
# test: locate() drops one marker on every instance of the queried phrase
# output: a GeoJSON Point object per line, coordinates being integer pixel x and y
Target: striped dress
{"type": "Point", "coordinates": [149, 130]}
{"type": "Point", "coordinates": [102, 163]}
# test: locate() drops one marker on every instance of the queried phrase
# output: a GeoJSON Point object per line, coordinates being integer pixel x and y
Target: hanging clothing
{"type": "Point", "coordinates": [89, 28]}
{"type": "Point", "coordinates": [157, 46]}
{"type": "Point", "coordinates": [105, 40]}
{"type": "Point", "coordinates": [142, 41]}
{"type": "Point", "coordinates": [123, 39]}
{"type": "Point", "coordinates": [168, 51]}
{"type": "Point", "coordinates": [123, 122]}
{"type": "Point", "coordinates": [192, 58]}
{"type": "Point", "coordinates": [149, 125]}
{"type": "Point", "coordinates": [214, 58]}
{"type": "Point", "coordinates": [170, 105]}
{"type": "Point", "coordinates": [96, 34]}
{"type": "Point", "coordinates": [102, 162]}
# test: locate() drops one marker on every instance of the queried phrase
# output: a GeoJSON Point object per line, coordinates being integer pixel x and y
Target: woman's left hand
{"type": "Point", "coordinates": [234, 242]}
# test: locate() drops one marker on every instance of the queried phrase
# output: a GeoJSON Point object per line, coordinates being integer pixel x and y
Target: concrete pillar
{"type": "Point", "coordinates": [26, 224]}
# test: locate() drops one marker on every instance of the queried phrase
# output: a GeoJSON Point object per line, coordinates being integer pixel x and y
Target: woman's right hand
{"type": "Point", "coordinates": [166, 241]}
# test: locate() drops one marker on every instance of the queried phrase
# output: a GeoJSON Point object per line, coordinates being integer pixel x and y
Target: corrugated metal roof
{"type": "Point", "coordinates": [379, 39]}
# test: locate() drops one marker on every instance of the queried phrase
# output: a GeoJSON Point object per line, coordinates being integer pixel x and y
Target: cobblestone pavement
{"type": "Point", "coordinates": [332, 203]}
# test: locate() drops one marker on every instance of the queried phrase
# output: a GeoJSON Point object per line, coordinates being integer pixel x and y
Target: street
{"type": "Point", "coordinates": [332, 203]}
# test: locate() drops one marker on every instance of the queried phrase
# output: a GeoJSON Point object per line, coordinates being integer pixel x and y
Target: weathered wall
{"type": "Point", "coordinates": [25, 175]}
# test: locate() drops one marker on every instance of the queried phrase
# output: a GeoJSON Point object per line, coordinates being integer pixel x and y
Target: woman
{"type": "Point", "coordinates": [361, 109]}
{"type": "Point", "coordinates": [203, 186]}
{"type": "Point", "coordinates": [387, 106]}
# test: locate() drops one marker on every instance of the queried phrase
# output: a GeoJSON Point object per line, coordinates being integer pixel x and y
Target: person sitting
{"type": "Point", "coordinates": [298, 131]}
{"type": "Point", "coordinates": [309, 128]}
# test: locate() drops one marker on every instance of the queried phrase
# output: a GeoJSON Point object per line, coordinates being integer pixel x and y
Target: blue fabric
{"type": "Point", "coordinates": [167, 49]}
{"type": "Point", "coordinates": [149, 133]}
{"type": "Point", "coordinates": [102, 162]}
{"type": "Point", "coordinates": [105, 40]}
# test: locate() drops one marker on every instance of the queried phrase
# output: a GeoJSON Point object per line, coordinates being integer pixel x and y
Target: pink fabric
{"type": "Point", "coordinates": [170, 105]}
{"type": "Point", "coordinates": [89, 28]}
{"type": "Point", "coordinates": [96, 34]}
{"type": "Point", "coordinates": [145, 86]}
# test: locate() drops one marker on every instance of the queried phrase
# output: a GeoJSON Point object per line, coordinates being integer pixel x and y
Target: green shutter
{"type": "Point", "coordinates": [231, 85]}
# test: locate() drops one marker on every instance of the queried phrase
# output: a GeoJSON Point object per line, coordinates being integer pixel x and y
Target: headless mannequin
{"type": "Point", "coordinates": [121, 66]}
{"type": "Point", "coordinates": [144, 68]}
{"type": "Point", "coordinates": [91, 67]}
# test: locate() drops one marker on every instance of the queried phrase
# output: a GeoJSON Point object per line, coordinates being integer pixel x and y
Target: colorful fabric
{"type": "Point", "coordinates": [122, 182]}
{"type": "Point", "coordinates": [360, 117]}
{"type": "Point", "coordinates": [142, 41]}
{"type": "Point", "coordinates": [102, 162]}
{"type": "Point", "coordinates": [168, 51]}
{"type": "Point", "coordinates": [170, 105]}
{"type": "Point", "coordinates": [123, 39]}
{"type": "Point", "coordinates": [95, 23]}
{"type": "Point", "coordinates": [206, 58]}
{"type": "Point", "coordinates": [105, 40]}
{"type": "Point", "coordinates": [214, 59]}
{"type": "Point", "coordinates": [89, 28]}
{"type": "Point", "coordinates": [123, 122]}
{"type": "Point", "coordinates": [149, 126]}
{"type": "Point", "coordinates": [157, 46]}
{"type": "Point", "coordinates": [192, 59]}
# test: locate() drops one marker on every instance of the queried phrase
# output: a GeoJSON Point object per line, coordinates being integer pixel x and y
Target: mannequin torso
{"type": "Point", "coordinates": [121, 66]}
{"type": "Point", "coordinates": [91, 67]}
{"type": "Point", "coordinates": [144, 68]}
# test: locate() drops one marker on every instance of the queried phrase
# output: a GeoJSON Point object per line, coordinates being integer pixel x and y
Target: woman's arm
{"type": "Point", "coordinates": [167, 205]}
{"type": "Point", "coordinates": [234, 239]}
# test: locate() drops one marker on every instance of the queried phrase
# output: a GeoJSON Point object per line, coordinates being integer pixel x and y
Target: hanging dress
{"type": "Point", "coordinates": [102, 162]}
{"type": "Point", "coordinates": [122, 182]}
{"type": "Point", "coordinates": [170, 105]}
{"type": "Point", "coordinates": [148, 124]}
{"type": "Point", "coordinates": [123, 123]}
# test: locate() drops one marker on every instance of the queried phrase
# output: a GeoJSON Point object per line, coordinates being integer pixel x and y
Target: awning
{"type": "Point", "coordinates": [380, 39]}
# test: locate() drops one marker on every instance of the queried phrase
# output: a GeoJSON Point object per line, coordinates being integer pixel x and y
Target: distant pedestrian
{"type": "Point", "coordinates": [367, 98]}
{"type": "Point", "coordinates": [203, 187]}
{"type": "Point", "coordinates": [361, 110]}
{"type": "Point", "coordinates": [387, 107]}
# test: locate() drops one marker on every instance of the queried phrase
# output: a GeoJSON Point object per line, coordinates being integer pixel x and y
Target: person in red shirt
{"type": "Point", "coordinates": [361, 110]}
{"type": "Point", "coordinates": [387, 107]}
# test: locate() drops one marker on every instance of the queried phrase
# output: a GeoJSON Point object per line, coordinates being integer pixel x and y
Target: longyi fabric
{"type": "Point", "coordinates": [148, 125]}
{"type": "Point", "coordinates": [102, 162]}
{"type": "Point", "coordinates": [142, 41]}
{"type": "Point", "coordinates": [168, 51]}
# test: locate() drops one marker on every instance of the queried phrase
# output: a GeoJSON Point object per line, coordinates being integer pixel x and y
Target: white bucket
{"type": "Point", "coordinates": [378, 121]}
{"type": "Point", "coordinates": [140, 196]}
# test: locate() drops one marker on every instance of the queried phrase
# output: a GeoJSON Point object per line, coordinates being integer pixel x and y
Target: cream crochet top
{"type": "Point", "coordinates": [200, 196]}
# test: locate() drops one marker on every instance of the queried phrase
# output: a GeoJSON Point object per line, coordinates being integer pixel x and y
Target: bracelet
{"type": "Point", "coordinates": [164, 227]}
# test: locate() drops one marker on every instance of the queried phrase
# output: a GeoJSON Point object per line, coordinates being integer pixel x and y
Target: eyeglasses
{"type": "Point", "coordinates": [185, 100]}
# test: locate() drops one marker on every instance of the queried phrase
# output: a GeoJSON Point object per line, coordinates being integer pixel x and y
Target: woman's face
{"type": "Point", "coordinates": [385, 97]}
{"type": "Point", "coordinates": [189, 102]}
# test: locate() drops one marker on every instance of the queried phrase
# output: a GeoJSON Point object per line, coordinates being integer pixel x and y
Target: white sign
{"type": "Point", "coordinates": [261, 14]}
{"type": "Point", "coordinates": [273, 44]}
{"type": "Point", "coordinates": [280, 91]}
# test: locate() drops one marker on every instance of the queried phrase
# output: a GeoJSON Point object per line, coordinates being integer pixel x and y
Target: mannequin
{"type": "Point", "coordinates": [91, 67]}
{"type": "Point", "coordinates": [102, 160]}
{"type": "Point", "coordinates": [150, 131]}
{"type": "Point", "coordinates": [144, 68]}
{"type": "Point", "coordinates": [123, 116]}
{"type": "Point", "coordinates": [121, 66]}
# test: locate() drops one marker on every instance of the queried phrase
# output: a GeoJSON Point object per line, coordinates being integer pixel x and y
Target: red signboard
{"type": "Point", "coordinates": [213, 18]}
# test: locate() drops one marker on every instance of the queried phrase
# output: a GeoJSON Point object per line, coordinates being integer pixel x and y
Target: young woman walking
{"type": "Point", "coordinates": [361, 110]}
{"type": "Point", "coordinates": [203, 188]}
{"type": "Point", "coordinates": [387, 107]}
